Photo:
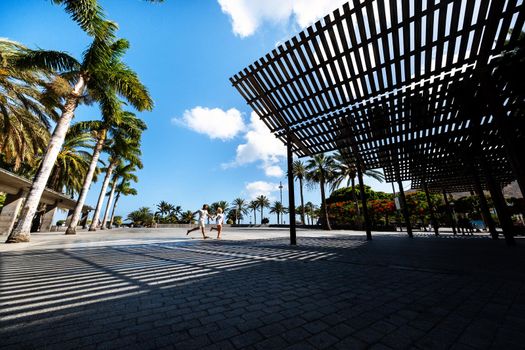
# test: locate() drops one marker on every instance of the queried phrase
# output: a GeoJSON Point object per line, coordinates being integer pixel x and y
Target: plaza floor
{"type": "Point", "coordinates": [147, 288]}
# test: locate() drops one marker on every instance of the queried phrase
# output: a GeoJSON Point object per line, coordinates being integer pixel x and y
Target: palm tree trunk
{"type": "Point", "coordinates": [355, 197]}
{"type": "Point", "coordinates": [108, 205]}
{"type": "Point", "coordinates": [262, 214]}
{"type": "Point", "coordinates": [96, 215]}
{"type": "Point", "coordinates": [113, 210]}
{"type": "Point", "coordinates": [21, 233]}
{"type": "Point", "coordinates": [302, 199]}
{"type": "Point", "coordinates": [255, 216]}
{"type": "Point", "coordinates": [72, 228]}
{"type": "Point", "coordinates": [325, 209]}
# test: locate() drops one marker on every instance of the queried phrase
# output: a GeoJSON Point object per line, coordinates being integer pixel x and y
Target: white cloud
{"type": "Point", "coordinates": [214, 122]}
{"type": "Point", "coordinates": [274, 170]}
{"type": "Point", "coordinates": [261, 146]}
{"type": "Point", "coordinates": [257, 188]}
{"type": "Point", "coordinates": [248, 15]}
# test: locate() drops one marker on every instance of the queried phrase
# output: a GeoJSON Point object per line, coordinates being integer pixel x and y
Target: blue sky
{"type": "Point", "coordinates": [202, 144]}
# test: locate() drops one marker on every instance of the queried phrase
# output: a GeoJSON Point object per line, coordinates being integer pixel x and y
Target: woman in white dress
{"type": "Point", "coordinates": [203, 213]}
{"type": "Point", "coordinates": [219, 219]}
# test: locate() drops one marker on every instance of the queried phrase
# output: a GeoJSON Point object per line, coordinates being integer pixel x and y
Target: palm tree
{"type": "Point", "coordinates": [122, 148]}
{"type": "Point", "coordinates": [309, 208]}
{"type": "Point", "coordinates": [262, 202]}
{"type": "Point", "coordinates": [121, 170]}
{"type": "Point", "coordinates": [25, 107]}
{"type": "Point", "coordinates": [278, 208]}
{"type": "Point", "coordinates": [319, 171]}
{"type": "Point", "coordinates": [72, 162]}
{"type": "Point", "coordinates": [124, 189]}
{"type": "Point", "coordinates": [187, 217]}
{"type": "Point", "coordinates": [172, 213]}
{"type": "Point", "coordinates": [98, 73]}
{"type": "Point", "coordinates": [142, 216]}
{"type": "Point", "coordinates": [241, 208]}
{"type": "Point", "coordinates": [299, 172]}
{"type": "Point", "coordinates": [163, 208]}
{"type": "Point", "coordinates": [253, 205]}
{"type": "Point", "coordinates": [345, 169]}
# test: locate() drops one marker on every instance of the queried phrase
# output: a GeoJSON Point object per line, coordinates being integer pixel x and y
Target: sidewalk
{"type": "Point", "coordinates": [145, 289]}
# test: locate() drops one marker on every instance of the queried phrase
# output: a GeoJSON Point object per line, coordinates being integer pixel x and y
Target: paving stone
{"type": "Point", "coordinates": [427, 293]}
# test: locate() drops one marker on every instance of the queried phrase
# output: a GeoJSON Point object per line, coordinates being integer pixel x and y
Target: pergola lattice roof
{"type": "Point", "coordinates": [378, 77]}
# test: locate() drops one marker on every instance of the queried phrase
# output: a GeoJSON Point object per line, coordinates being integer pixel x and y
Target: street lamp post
{"type": "Point", "coordinates": [281, 190]}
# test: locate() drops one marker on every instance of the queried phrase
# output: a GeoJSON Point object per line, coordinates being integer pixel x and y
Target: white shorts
{"type": "Point", "coordinates": [201, 223]}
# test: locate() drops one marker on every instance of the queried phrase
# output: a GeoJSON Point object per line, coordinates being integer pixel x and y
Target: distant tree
{"type": "Point", "coordinates": [319, 171]}
{"type": "Point", "coordinates": [299, 173]}
{"type": "Point", "coordinates": [187, 217]}
{"type": "Point", "coordinates": [142, 216]}
{"type": "Point", "coordinates": [279, 209]}
{"type": "Point", "coordinates": [117, 220]}
{"type": "Point", "coordinates": [241, 208]}
{"type": "Point", "coordinates": [253, 205]}
{"type": "Point", "coordinates": [262, 202]}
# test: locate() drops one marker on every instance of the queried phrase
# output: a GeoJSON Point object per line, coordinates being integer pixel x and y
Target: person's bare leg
{"type": "Point", "coordinates": [191, 230]}
{"type": "Point", "coordinates": [219, 230]}
{"type": "Point", "coordinates": [203, 232]}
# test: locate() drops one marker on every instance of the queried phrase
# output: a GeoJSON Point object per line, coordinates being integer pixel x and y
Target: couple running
{"type": "Point", "coordinates": [203, 214]}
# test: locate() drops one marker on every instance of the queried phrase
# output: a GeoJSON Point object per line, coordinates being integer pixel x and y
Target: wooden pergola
{"type": "Point", "coordinates": [413, 87]}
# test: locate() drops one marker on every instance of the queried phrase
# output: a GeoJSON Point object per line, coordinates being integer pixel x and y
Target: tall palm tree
{"type": "Point", "coordinates": [124, 189]}
{"type": "Point", "coordinates": [279, 209]}
{"type": "Point", "coordinates": [120, 170]}
{"type": "Point", "coordinates": [262, 202]}
{"type": "Point", "coordinates": [253, 205]}
{"type": "Point", "coordinates": [241, 208]}
{"type": "Point", "coordinates": [97, 73]}
{"type": "Point", "coordinates": [319, 171]}
{"type": "Point", "coordinates": [299, 173]}
{"type": "Point", "coordinates": [122, 148]}
{"type": "Point", "coordinates": [114, 120]}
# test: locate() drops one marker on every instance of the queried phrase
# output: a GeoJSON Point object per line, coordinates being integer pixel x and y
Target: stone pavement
{"type": "Point", "coordinates": [335, 292]}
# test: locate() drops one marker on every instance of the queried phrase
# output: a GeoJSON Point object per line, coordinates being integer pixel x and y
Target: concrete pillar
{"type": "Point", "coordinates": [9, 212]}
{"type": "Point", "coordinates": [47, 220]}
{"type": "Point", "coordinates": [84, 219]}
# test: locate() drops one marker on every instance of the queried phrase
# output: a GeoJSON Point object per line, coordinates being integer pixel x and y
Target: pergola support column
{"type": "Point", "coordinates": [404, 208]}
{"type": "Point", "coordinates": [449, 213]}
{"type": "Point", "coordinates": [47, 220]}
{"type": "Point", "coordinates": [501, 208]}
{"type": "Point", "coordinates": [9, 212]}
{"type": "Point", "coordinates": [484, 207]}
{"type": "Point", "coordinates": [433, 220]}
{"type": "Point", "coordinates": [291, 192]}
{"type": "Point", "coordinates": [362, 194]}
